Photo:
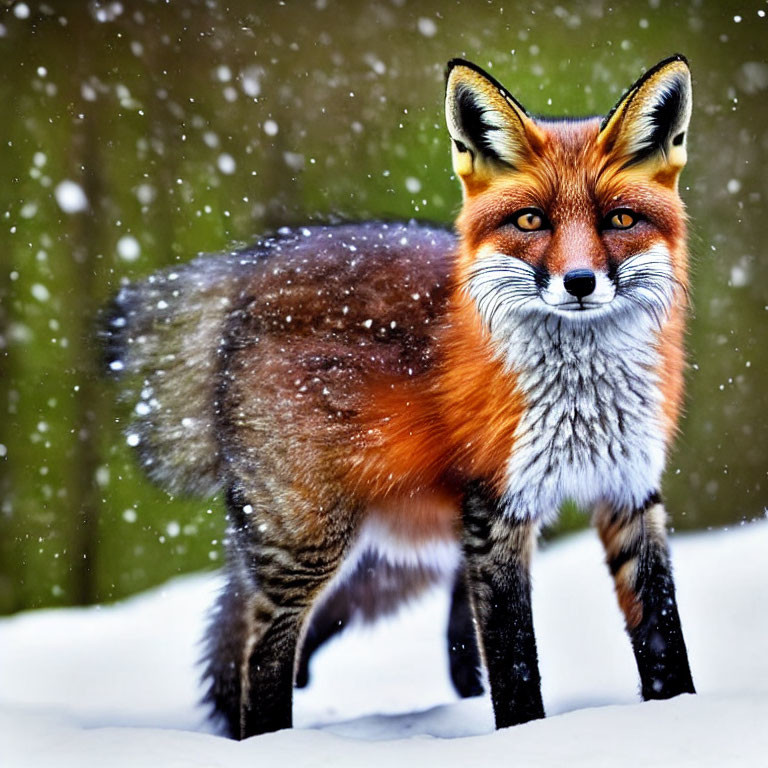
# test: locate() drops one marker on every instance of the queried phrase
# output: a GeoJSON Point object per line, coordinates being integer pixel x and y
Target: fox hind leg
{"type": "Point", "coordinates": [275, 575]}
{"type": "Point", "coordinates": [637, 554]}
{"type": "Point", "coordinates": [376, 589]}
{"type": "Point", "coordinates": [329, 620]}
{"type": "Point", "coordinates": [463, 653]}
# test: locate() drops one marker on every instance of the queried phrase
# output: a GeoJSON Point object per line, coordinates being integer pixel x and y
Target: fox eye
{"type": "Point", "coordinates": [529, 219]}
{"type": "Point", "coordinates": [621, 218]}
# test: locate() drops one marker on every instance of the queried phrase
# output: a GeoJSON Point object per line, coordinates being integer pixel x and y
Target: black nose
{"type": "Point", "coordinates": [579, 282]}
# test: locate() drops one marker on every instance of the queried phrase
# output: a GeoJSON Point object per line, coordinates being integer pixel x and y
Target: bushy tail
{"type": "Point", "coordinates": [163, 338]}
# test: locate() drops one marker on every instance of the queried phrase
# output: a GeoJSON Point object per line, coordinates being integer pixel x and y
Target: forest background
{"type": "Point", "coordinates": [139, 133]}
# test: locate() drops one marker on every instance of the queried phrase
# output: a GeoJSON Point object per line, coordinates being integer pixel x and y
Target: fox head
{"type": "Point", "coordinates": [577, 218]}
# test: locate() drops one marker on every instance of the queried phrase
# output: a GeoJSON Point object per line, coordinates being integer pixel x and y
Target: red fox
{"type": "Point", "coordinates": [397, 395]}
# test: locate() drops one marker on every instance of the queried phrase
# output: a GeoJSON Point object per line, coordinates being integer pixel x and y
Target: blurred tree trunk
{"type": "Point", "coordinates": [10, 164]}
{"type": "Point", "coordinates": [90, 239]}
{"type": "Point", "coordinates": [6, 485]}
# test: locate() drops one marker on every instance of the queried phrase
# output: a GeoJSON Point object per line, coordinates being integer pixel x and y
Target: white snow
{"type": "Point", "coordinates": [28, 210]}
{"type": "Point", "coordinates": [40, 292]}
{"type": "Point", "coordinates": [70, 197]}
{"type": "Point", "coordinates": [412, 184]}
{"type": "Point", "coordinates": [145, 193]}
{"type": "Point", "coordinates": [118, 685]}
{"type": "Point", "coordinates": [128, 248]}
{"type": "Point", "coordinates": [427, 27]}
{"type": "Point", "coordinates": [21, 11]}
{"type": "Point", "coordinates": [226, 163]}
{"type": "Point", "coordinates": [250, 80]}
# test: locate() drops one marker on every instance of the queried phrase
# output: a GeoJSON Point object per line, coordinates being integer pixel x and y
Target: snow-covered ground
{"type": "Point", "coordinates": [118, 685]}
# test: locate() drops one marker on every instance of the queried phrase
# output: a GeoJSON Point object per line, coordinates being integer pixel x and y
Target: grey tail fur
{"type": "Point", "coordinates": [162, 340]}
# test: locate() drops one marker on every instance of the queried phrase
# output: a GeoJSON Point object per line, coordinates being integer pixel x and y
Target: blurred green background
{"type": "Point", "coordinates": [138, 133]}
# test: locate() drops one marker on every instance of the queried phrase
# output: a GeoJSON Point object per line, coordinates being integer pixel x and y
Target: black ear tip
{"type": "Point", "coordinates": [449, 67]}
{"type": "Point", "coordinates": [453, 63]}
{"type": "Point", "coordinates": [456, 62]}
{"type": "Point", "coordinates": [676, 57]}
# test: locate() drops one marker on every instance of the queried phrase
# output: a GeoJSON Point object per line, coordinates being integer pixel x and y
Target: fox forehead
{"type": "Point", "coordinates": [569, 172]}
{"type": "Point", "coordinates": [571, 177]}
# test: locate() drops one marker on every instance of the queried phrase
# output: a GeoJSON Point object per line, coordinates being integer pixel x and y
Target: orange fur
{"type": "Point", "coordinates": [421, 434]}
{"type": "Point", "coordinates": [456, 422]}
{"type": "Point", "coordinates": [459, 419]}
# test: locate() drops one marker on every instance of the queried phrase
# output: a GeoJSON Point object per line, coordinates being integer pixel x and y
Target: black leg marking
{"type": "Point", "coordinates": [638, 557]}
{"type": "Point", "coordinates": [251, 654]}
{"type": "Point", "coordinates": [269, 705]}
{"type": "Point", "coordinates": [498, 550]}
{"type": "Point", "coordinates": [662, 658]}
{"type": "Point", "coordinates": [463, 653]}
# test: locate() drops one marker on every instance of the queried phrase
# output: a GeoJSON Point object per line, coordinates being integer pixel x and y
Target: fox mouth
{"type": "Point", "coordinates": [507, 289]}
{"type": "Point", "coordinates": [577, 306]}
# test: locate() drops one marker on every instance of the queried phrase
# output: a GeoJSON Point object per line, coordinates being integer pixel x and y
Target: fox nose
{"type": "Point", "coordinates": [579, 282]}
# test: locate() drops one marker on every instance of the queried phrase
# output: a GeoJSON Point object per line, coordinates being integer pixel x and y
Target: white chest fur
{"type": "Point", "coordinates": [591, 430]}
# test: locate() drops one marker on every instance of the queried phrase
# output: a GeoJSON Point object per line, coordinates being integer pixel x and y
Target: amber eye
{"type": "Point", "coordinates": [622, 218]}
{"type": "Point", "coordinates": [529, 219]}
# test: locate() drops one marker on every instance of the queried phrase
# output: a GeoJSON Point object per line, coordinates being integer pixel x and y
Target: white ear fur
{"type": "Point", "coordinates": [651, 119]}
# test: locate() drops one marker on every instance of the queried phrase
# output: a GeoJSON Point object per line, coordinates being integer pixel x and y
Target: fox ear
{"type": "Point", "coordinates": [490, 130]}
{"type": "Point", "coordinates": [649, 125]}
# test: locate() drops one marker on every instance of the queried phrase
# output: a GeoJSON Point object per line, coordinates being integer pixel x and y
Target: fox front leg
{"type": "Point", "coordinates": [498, 552]}
{"type": "Point", "coordinates": [637, 554]}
